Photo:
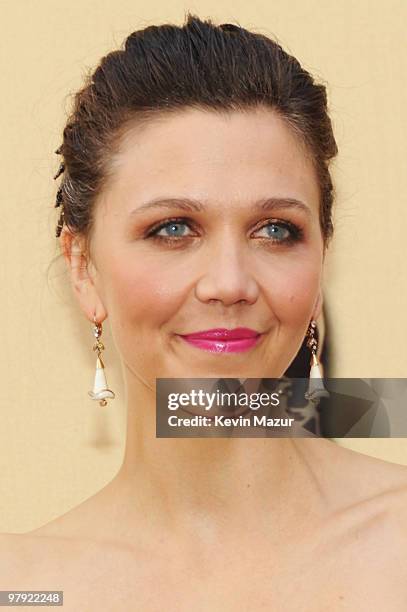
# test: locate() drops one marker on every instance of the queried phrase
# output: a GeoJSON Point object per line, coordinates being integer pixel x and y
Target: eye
{"type": "Point", "coordinates": [171, 229]}
{"type": "Point", "coordinates": [275, 231]}
{"type": "Point", "coordinates": [278, 231]}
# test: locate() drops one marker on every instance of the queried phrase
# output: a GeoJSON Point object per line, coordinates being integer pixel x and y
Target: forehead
{"type": "Point", "coordinates": [213, 156]}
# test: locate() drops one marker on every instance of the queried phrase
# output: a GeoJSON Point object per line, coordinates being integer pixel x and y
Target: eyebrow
{"type": "Point", "coordinates": [192, 205]}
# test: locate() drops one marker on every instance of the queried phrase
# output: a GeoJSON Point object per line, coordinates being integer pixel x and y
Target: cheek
{"type": "Point", "coordinates": [294, 290]}
{"type": "Point", "coordinates": [146, 294]}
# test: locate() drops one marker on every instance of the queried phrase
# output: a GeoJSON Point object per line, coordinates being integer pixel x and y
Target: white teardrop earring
{"type": "Point", "coordinates": [316, 388]}
{"type": "Point", "coordinates": [100, 390]}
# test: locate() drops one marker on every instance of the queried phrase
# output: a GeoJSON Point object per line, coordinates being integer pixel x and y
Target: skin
{"type": "Point", "coordinates": [170, 522]}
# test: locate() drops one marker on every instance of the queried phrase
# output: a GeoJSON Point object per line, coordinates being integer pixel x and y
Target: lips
{"type": "Point", "coordinates": [221, 333]}
{"type": "Point", "coordinates": [222, 340]}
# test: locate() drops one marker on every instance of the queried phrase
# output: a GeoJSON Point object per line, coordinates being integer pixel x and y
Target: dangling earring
{"type": "Point", "coordinates": [316, 388]}
{"type": "Point", "coordinates": [100, 391]}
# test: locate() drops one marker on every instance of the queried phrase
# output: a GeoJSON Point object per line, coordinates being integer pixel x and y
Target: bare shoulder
{"type": "Point", "coordinates": [94, 522]}
{"type": "Point", "coordinates": [80, 539]}
{"type": "Point", "coordinates": [374, 478]}
{"type": "Point", "coordinates": [361, 471]}
{"type": "Point", "coordinates": [57, 563]}
{"type": "Point", "coordinates": [67, 541]}
{"type": "Point", "coordinates": [35, 561]}
{"type": "Point", "coordinates": [20, 554]}
{"type": "Point", "coordinates": [70, 544]}
{"type": "Point", "coordinates": [370, 495]}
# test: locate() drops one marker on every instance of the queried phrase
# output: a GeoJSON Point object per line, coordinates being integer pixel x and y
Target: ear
{"type": "Point", "coordinates": [318, 306]}
{"type": "Point", "coordinates": [75, 254]}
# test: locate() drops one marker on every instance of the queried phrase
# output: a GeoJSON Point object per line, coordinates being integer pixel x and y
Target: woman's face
{"type": "Point", "coordinates": [208, 221]}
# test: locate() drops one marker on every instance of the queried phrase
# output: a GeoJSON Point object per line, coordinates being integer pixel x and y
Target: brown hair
{"type": "Point", "coordinates": [165, 68]}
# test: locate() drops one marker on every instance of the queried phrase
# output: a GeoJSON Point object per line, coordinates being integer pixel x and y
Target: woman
{"type": "Point", "coordinates": [195, 195]}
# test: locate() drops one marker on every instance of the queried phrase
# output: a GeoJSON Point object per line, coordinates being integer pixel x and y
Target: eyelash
{"type": "Point", "coordinates": [296, 233]}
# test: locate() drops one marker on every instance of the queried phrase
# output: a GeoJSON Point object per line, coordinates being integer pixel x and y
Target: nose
{"type": "Point", "coordinates": [227, 278]}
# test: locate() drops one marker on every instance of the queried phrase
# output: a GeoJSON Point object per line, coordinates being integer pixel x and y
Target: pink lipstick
{"type": "Point", "coordinates": [222, 340]}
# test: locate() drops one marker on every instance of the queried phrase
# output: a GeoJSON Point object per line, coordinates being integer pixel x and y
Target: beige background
{"type": "Point", "coordinates": [57, 447]}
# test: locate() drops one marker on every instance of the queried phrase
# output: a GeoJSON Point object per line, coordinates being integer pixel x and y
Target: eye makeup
{"type": "Point", "coordinates": [281, 232]}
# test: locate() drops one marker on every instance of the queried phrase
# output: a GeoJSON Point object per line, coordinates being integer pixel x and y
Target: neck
{"type": "Point", "coordinates": [221, 482]}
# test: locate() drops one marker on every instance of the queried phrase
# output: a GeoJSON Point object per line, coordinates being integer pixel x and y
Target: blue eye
{"type": "Point", "coordinates": [277, 231]}
{"type": "Point", "coordinates": [171, 226]}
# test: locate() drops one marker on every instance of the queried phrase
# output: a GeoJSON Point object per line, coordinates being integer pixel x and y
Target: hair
{"type": "Point", "coordinates": [166, 68]}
